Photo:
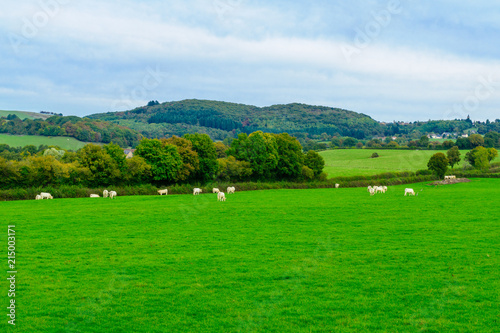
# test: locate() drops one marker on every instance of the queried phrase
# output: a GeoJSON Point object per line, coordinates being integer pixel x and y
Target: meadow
{"type": "Point", "coordinates": [322, 260]}
{"type": "Point", "coordinates": [353, 162]}
{"type": "Point", "coordinates": [24, 114]}
{"type": "Point", "coordinates": [36, 140]}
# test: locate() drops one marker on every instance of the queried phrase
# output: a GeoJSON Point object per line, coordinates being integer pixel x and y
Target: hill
{"type": "Point", "coordinates": [25, 114]}
{"type": "Point", "coordinates": [223, 119]}
{"type": "Point", "coordinates": [36, 140]}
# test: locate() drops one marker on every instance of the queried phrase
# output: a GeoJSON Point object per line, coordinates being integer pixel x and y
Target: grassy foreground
{"type": "Point", "coordinates": [36, 140]}
{"type": "Point", "coordinates": [324, 260]}
{"type": "Point", "coordinates": [353, 162]}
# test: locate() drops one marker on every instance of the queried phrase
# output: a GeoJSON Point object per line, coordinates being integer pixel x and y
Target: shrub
{"type": "Point", "coordinates": [374, 155]}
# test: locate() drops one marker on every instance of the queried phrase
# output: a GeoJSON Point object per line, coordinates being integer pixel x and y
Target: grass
{"type": "Point", "coordinates": [24, 114]}
{"type": "Point", "coordinates": [352, 162]}
{"type": "Point", "coordinates": [36, 140]}
{"type": "Point", "coordinates": [324, 260]}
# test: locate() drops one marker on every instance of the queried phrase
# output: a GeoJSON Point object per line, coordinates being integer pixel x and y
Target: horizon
{"type": "Point", "coordinates": [394, 60]}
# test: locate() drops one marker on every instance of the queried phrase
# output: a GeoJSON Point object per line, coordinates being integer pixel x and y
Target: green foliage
{"type": "Point", "coordinates": [232, 169]}
{"type": "Point", "coordinates": [374, 155]}
{"type": "Point", "coordinates": [453, 155]}
{"type": "Point", "coordinates": [439, 164]}
{"type": "Point", "coordinates": [207, 155]}
{"type": "Point", "coordinates": [315, 162]}
{"type": "Point", "coordinates": [290, 156]}
{"type": "Point", "coordinates": [189, 157]}
{"type": "Point", "coordinates": [476, 140]}
{"type": "Point", "coordinates": [349, 142]}
{"type": "Point", "coordinates": [103, 169]}
{"type": "Point", "coordinates": [164, 159]}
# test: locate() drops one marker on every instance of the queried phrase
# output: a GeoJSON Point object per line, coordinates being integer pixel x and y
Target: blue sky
{"type": "Point", "coordinates": [392, 60]}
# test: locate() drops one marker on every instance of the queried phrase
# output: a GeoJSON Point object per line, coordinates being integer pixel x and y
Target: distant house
{"type": "Point", "coordinates": [129, 153]}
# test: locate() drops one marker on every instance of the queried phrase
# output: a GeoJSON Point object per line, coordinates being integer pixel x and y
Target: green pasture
{"type": "Point", "coordinates": [324, 260]}
{"type": "Point", "coordinates": [353, 162]}
{"type": "Point", "coordinates": [36, 140]}
{"type": "Point", "coordinates": [24, 114]}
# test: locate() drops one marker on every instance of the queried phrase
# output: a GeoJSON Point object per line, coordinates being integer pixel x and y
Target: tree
{"type": "Point", "coordinates": [481, 157]}
{"type": "Point", "coordinates": [463, 143]}
{"type": "Point", "coordinates": [207, 155]}
{"type": "Point", "coordinates": [232, 169]}
{"type": "Point", "coordinates": [190, 160]}
{"type": "Point", "coordinates": [476, 140]}
{"type": "Point", "coordinates": [290, 156]}
{"type": "Point", "coordinates": [315, 162]}
{"type": "Point", "coordinates": [221, 148]}
{"type": "Point", "coordinates": [164, 160]}
{"type": "Point", "coordinates": [439, 164]}
{"type": "Point", "coordinates": [349, 142]}
{"type": "Point", "coordinates": [453, 155]}
{"type": "Point", "coordinates": [492, 139]}
{"type": "Point", "coordinates": [423, 142]}
{"type": "Point", "coordinates": [103, 170]}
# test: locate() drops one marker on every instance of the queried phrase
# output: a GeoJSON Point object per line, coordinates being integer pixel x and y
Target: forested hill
{"type": "Point", "coordinates": [223, 119]}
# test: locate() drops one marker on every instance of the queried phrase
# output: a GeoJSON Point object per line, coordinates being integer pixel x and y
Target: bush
{"type": "Point", "coordinates": [374, 155]}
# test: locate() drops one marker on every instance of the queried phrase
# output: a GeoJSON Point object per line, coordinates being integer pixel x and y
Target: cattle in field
{"type": "Point", "coordinates": [409, 191]}
{"type": "Point", "coordinates": [45, 195]}
{"type": "Point", "coordinates": [112, 194]}
{"type": "Point", "coordinates": [215, 190]}
{"type": "Point", "coordinates": [38, 197]}
{"type": "Point", "coordinates": [94, 195]}
{"type": "Point", "coordinates": [196, 191]}
{"type": "Point", "coordinates": [450, 177]}
{"type": "Point", "coordinates": [162, 192]}
{"type": "Point", "coordinates": [371, 190]}
{"type": "Point", "coordinates": [231, 189]}
{"type": "Point", "coordinates": [221, 196]}
{"type": "Point", "coordinates": [105, 193]}
{"type": "Point", "coordinates": [337, 185]}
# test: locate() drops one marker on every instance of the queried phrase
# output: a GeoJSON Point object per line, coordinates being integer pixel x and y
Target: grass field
{"type": "Point", "coordinates": [36, 140]}
{"type": "Point", "coordinates": [352, 162]}
{"type": "Point", "coordinates": [325, 260]}
{"type": "Point", "coordinates": [24, 114]}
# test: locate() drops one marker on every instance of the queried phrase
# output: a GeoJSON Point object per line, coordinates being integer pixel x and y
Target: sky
{"type": "Point", "coordinates": [394, 60]}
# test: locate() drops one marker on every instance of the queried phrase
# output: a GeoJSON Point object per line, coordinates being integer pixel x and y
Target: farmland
{"type": "Point", "coordinates": [352, 162]}
{"type": "Point", "coordinates": [24, 114]}
{"type": "Point", "coordinates": [36, 140]}
{"type": "Point", "coordinates": [263, 261]}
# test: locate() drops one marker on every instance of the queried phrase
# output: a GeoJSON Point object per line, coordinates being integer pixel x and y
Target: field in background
{"type": "Point", "coordinates": [36, 140]}
{"type": "Point", "coordinates": [324, 260]}
{"type": "Point", "coordinates": [24, 114]}
{"type": "Point", "coordinates": [353, 162]}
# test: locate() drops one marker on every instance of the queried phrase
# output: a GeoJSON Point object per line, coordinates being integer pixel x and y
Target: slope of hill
{"type": "Point", "coordinates": [37, 140]}
{"type": "Point", "coordinates": [25, 114]}
{"type": "Point", "coordinates": [221, 119]}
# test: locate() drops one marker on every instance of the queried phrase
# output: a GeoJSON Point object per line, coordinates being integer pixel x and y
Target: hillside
{"type": "Point", "coordinates": [25, 114]}
{"type": "Point", "coordinates": [223, 119]}
{"type": "Point", "coordinates": [37, 140]}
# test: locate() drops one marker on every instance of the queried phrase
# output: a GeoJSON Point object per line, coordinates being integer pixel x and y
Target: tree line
{"type": "Point", "coordinates": [83, 129]}
{"type": "Point", "coordinates": [193, 158]}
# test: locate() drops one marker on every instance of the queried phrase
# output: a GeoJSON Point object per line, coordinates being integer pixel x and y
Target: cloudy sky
{"type": "Point", "coordinates": [390, 59]}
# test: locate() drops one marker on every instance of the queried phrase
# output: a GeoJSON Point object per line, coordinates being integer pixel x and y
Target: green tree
{"type": "Point", "coordinates": [315, 162]}
{"type": "Point", "coordinates": [453, 155]}
{"type": "Point", "coordinates": [439, 164]}
{"type": "Point", "coordinates": [349, 142]}
{"type": "Point", "coordinates": [481, 157]}
{"type": "Point", "coordinates": [207, 155]}
{"type": "Point", "coordinates": [164, 160]}
{"type": "Point", "coordinates": [423, 142]}
{"type": "Point", "coordinates": [232, 169]}
{"type": "Point", "coordinates": [190, 160]}
{"type": "Point", "coordinates": [103, 170]}
{"type": "Point", "coordinates": [117, 154]}
{"type": "Point", "coordinates": [221, 149]}
{"type": "Point", "coordinates": [138, 171]}
{"type": "Point", "coordinates": [290, 156]}
{"type": "Point", "coordinates": [476, 140]}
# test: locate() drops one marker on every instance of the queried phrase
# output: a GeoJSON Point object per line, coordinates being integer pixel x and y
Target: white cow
{"type": "Point", "coordinates": [45, 195]}
{"type": "Point", "coordinates": [105, 193]}
{"type": "Point", "coordinates": [221, 196]}
{"type": "Point", "coordinates": [409, 191]}
{"type": "Point", "coordinates": [215, 190]}
{"type": "Point", "coordinates": [371, 190]}
{"type": "Point", "coordinates": [450, 177]}
{"type": "Point", "coordinates": [94, 195]}
{"type": "Point", "coordinates": [337, 185]}
{"type": "Point", "coordinates": [196, 191]}
{"type": "Point", "coordinates": [112, 194]}
{"type": "Point", "coordinates": [384, 188]}
{"type": "Point", "coordinates": [38, 197]}
{"type": "Point", "coordinates": [162, 192]}
{"type": "Point", "coordinates": [231, 189]}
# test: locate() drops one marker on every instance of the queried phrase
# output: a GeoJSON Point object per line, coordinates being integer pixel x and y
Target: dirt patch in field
{"type": "Point", "coordinates": [451, 181]}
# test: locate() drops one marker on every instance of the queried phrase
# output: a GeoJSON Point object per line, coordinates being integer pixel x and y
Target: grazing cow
{"type": "Point", "coordinates": [105, 193]}
{"type": "Point", "coordinates": [45, 195]}
{"type": "Point", "coordinates": [231, 189]}
{"type": "Point", "coordinates": [337, 185]}
{"type": "Point", "coordinates": [112, 194]}
{"type": "Point", "coordinates": [370, 188]}
{"type": "Point", "coordinates": [94, 195]}
{"type": "Point", "coordinates": [38, 197]}
{"type": "Point", "coordinates": [384, 188]}
{"type": "Point", "coordinates": [221, 196]}
{"type": "Point", "coordinates": [196, 191]}
{"type": "Point", "coordinates": [409, 191]}
{"type": "Point", "coordinates": [372, 191]}
{"type": "Point", "coordinates": [162, 192]}
{"type": "Point", "coordinates": [215, 190]}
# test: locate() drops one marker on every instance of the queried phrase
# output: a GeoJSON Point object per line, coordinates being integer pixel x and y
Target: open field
{"type": "Point", "coordinates": [36, 140]}
{"type": "Point", "coordinates": [325, 260]}
{"type": "Point", "coordinates": [24, 114]}
{"type": "Point", "coordinates": [352, 162]}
